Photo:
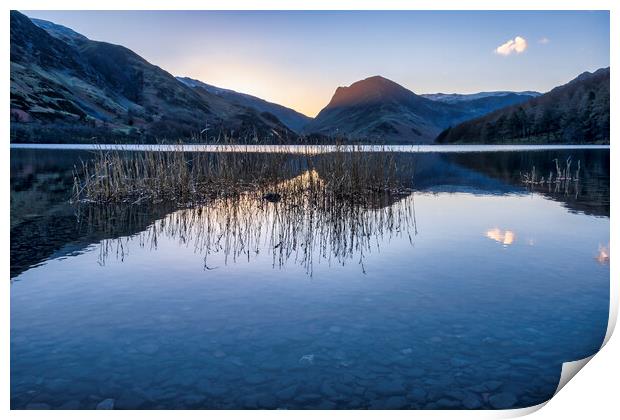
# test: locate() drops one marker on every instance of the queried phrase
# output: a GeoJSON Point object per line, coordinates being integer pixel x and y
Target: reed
{"type": "Point", "coordinates": [193, 177]}
{"type": "Point", "coordinates": [560, 180]}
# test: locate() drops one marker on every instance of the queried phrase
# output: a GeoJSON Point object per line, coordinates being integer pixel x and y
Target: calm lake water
{"type": "Point", "coordinates": [468, 293]}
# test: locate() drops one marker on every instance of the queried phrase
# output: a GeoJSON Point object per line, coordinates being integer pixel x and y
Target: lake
{"type": "Point", "coordinates": [468, 292]}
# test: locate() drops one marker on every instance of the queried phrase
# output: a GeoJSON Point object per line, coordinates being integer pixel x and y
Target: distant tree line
{"type": "Point", "coordinates": [587, 125]}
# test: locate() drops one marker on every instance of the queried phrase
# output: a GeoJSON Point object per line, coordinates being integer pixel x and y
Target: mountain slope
{"type": "Point", "coordinates": [452, 98]}
{"type": "Point", "coordinates": [577, 112]}
{"type": "Point", "coordinates": [483, 102]}
{"type": "Point", "coordinates": [293, 119]}
{"type": "Point", "coordinates": [65, 86]}
{"type": "Point", "coordinates": [379, 109]}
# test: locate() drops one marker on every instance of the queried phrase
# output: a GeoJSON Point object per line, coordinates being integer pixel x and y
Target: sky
{"type": "Point", "coordinates": [299, 58]}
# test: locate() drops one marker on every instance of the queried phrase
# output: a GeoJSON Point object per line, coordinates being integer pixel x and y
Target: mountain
{"type": "Point", "coordinates": [452, 98]}
{"type": "Point", "coordinates": [379, 109]}
{"type": "Point", "coordinates": [293, 119]}
{"type": "Point", "coordinates": [577, 112]}
{"type": "Point", "coordinates": [66, 86]}
{"type": "Point", "coordinates": [483, 102]}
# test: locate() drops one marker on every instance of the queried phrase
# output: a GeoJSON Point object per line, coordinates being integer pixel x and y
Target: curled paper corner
{"type": "Point", "coordinates": [519, 412]}
{"type": "Point", "coordinates": [614, 298]}
{"type": "Point", "coordinates": [569, 370]}
{"type": "Point", "coordinates": [611, 326]}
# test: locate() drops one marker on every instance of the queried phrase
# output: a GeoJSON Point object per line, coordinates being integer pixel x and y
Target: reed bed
{"type": "Point", "coordinates": [330, 203]}
{"type": "Point", "coordinates": [189, 178]}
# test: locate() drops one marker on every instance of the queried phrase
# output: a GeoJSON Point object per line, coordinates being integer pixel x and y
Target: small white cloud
{"type": "Point", "coordinates": [544, 40]}
{"type": "Point", "coordinates": [516, 45]}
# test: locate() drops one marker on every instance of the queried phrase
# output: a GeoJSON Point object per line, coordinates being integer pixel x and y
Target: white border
{"type": "Point", "coordinates": [310, 5]}
{"type": "Point", "coordinates": [592, 395]}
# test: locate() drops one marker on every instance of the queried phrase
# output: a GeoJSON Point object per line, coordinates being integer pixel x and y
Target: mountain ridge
{"type": "Point", "coordinates": [460, 97]}
{"type": "Point", "coordinates": [61, 32]}
{"type": "Point", "coordinates": [293, 119]}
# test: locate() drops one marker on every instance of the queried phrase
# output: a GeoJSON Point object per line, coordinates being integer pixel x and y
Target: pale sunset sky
{"type": "Point", "coordinates": [299, 58]}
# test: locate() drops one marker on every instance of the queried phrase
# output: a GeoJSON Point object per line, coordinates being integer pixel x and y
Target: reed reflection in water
{"type": "Point", "coordinates": [302, 225]}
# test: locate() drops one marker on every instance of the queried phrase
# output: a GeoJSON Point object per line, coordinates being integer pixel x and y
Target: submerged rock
{"type": "Point", "coordinates": [492, 385]}
{"type": "Point", "coordinates": [446, 403]}
{"type": "Point", "coordinates": [471, 401]}
{"type": "Point", "coordinates": [71, 405]}
{"type": "Point", "coordinates": [287, 393]}
{"type": "Point", "coordinates": [235, 360]}
{"type": "Point", "coordinates": [389, 388]}
{"type": "Point", "coordinates": [37, 406]}
{"type": "Point", "coordinates": [256, 379]}
{"type": "Point", "coordinates": [219, 354]}
{"type": "Point", "coordinates": [129, 401]}
{"type": "Point", "coordinates": [308, 398]}
{"type": "Point", "coordinates": [148, 348]}
{"type": "Point", "coordinates": [416, 372]}
{"type": "Point", "coordinates": [395, 403]}
{"type": "Point", "coordinates": [249, 401]}
{"type": "Point", "coordinates": [502, 400]}
{"type": "Point", "coordinates": [417, 394]}
{"type": "Point", "coordinates": [459, 362]}
{"type": "Point", "coordinates": [328, 390]}
{"type": "Point", "coordinates": [57, 385]}
{"type": "Point", "coordinates": [272, 197]}
{"type": "Point", "coordinates": [216, 390]}
{"type": "Point", "coordinates": [326, 405]}
{"type": "Point", "coordinates": [307, 359]}
{"type": "Point", "coordinates": [107, 404]}
{"type": "Point", "coordinates": [456, 394]}
{"type": "Point", "coordinates": [343, 388]}
{"type": "Point", "coordinates": [267, 401]}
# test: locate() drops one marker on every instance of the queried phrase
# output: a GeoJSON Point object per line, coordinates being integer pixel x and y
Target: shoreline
{"type": "Point", "coordinates": [296, 148]}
